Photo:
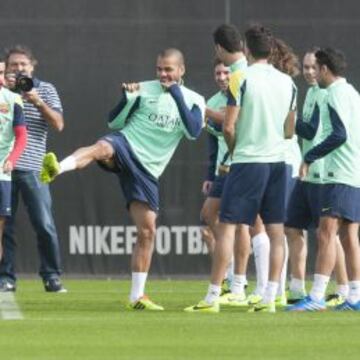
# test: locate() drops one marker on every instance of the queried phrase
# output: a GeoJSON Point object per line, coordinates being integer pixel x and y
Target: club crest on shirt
{"type": "Point", "coordinates": [151, 101]}
{"type": "Point", "coordinates": [4, 108]}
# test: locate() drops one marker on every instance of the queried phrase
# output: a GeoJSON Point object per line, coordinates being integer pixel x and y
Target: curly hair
{"type": "Point", "coordinates": [284, 59]}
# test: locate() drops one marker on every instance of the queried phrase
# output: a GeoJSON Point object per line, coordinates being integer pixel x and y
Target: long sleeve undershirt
{"type": "Point", "coordinates": [337, 137]}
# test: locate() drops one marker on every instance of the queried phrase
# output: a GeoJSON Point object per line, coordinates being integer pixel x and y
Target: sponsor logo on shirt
{"type": "Point", "coordinates": [165, 121]}
{"type": "Point", "coordinates": [4, 108]}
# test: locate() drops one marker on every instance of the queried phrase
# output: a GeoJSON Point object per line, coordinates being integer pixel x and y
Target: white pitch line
{"type": "Point", "coordinates": [9, 308]}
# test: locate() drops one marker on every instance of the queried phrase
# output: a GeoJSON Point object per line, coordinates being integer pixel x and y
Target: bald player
{"type": "Point", "coordinates": [149, 121]}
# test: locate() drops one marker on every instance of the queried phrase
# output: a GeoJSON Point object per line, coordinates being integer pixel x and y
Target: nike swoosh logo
{"type": "Point", "coordinates": [259, 308]}
{"type": "Point", "coordinates": [326, 209]}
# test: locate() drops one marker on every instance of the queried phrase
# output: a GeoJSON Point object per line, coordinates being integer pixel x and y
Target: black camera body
{"type": "Point", "coordinates": [23, 83]}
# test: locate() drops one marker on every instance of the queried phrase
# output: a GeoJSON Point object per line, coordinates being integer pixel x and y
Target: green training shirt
{"type": "Point", "coordinates": [342, 165]}
{"type": "Point", "coordinates": [265, 96]}
{"type": "Point", "coordinates": [218, 102]}
{"type": "Point", "coordinates": [155, 128]}
{"type": "Point", "coordinates": [315, 95]}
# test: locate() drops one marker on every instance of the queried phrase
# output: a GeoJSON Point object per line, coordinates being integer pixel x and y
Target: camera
{"type": "Point", "coordinates": [23, 83]}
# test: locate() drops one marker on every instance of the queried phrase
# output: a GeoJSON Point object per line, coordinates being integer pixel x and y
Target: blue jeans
{"type": "Point", "coordinates": [37, 199]}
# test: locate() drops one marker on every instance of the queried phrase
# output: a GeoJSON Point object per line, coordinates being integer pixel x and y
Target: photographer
{"type": "Point", "coordinates": [42, 107]}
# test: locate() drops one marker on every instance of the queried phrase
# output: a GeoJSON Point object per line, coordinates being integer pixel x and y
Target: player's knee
{"type": "Point", "coordinates": [293, 234]}
{"type": "Point", "coordinates": [146, 234]}
{"type": "Point", "coordinates": [275, 232]}
{"type": "Point", "coordinates": [207, 216]}
{"type": "Point", "coordinates": [104, 151]}
{"type": "Point", "coordinates": [324, 235]}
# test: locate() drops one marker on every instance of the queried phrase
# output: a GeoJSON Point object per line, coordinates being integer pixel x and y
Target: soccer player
{"type": "Point", "coordinates": [305, 205]}
{"type": "Point", "coordinates": [260, 113]}
{"type": "Point", "coordinates": [340, 211]}
{"type": "Point", "coordinates": [13, 136]}
{"type": "Point", "coordinates": [233, 56]}
{"type": "Point", "coordinates": [230, 39]}
{"type": "Point", "coordinates": [212, 186]}
{"type": "Point", "coordinates": [284, 59]}
{"type": "Point", "coordinates": [150, 120]}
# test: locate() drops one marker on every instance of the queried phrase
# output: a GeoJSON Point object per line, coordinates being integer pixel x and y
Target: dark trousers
{"type": "Point", "coordinates": [37, 199]}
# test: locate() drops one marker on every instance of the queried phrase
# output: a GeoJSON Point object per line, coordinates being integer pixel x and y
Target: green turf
{"type": "Point", "coordinates": [90, 323]}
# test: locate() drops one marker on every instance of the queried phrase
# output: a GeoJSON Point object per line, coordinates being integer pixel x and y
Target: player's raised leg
{"type": "Point", "coordinates": [100, 151]}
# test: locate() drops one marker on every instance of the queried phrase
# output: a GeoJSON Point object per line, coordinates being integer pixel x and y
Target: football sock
{"type": "Point", "coordinates": [238, 284]}
{"type": "Point", "coordinates": [68, 164]}
{"type": "Point", "coordinates": [270, 292]}
{"type": "Point", "coordinates": [354, 292]}
{"type": "Point", "coordinates": [318, 290]}
{"type": "Point", "coordinates": [230, 270]}
{"type": "Point", "coordinates": [213, 293]}
{"type": "Point", "coordinates": [261, 248]}
{"type": "Point", "coordinates": [138, 280]}
{"type": "Point", "coordinates": [283, 277]}
{"type": "Point", "coordinates": [343, 290]}
{"type": "Point", "coordinates": [297, 285]}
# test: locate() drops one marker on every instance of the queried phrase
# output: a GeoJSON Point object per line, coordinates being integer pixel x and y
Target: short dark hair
{"type": "Point", "coordinates": [20, 49]}
{"type": "Point", "coordinates": [217, 61]}
{"type": "Point", "coordinates": [259, 41]}
{"type": "Point", "coordinates": [334, 59]}
{"type": "Point", "coordinates": [173, 52]}
{"type": "Point", "coordinates": [2, 57]}
{"type": "Point", "coordinates": [228, 37]}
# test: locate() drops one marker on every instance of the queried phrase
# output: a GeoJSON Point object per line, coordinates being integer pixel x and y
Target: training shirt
{"type": "Point", "coordinates": [217, 144]}
{"type": "Point", "coordinates": [341, 148]}
{"type": "Point", "coordinates": [237, 74]}
{"type": "Point", "coordinates": [310, 129]}
{"type": "Point", "coordinates": [37, 127]}
{"type": "Point", "coordinates": [154, 121]}
{"type": "Point", "coordinates": [265, 96]}
{"type": "Point", "coordinates": [10, 116]}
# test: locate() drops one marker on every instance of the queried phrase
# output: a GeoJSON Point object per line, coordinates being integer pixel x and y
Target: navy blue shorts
{"type": "Point", "coordinates": [5, 198]}
{"type": "Point", "coordinates": [252, 189]}
{"type": "Point", "coordinates": [304, 207]}
{"type": "Point", "coordinates": [136, 182]}
{"type": "Point", "coordinates": [341, 201]}
{"type": "Point", "coordinates": [217, 187]}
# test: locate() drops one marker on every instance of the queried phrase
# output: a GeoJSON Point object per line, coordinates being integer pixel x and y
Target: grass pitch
{"type": "Point", "coordinates": [90, 322]}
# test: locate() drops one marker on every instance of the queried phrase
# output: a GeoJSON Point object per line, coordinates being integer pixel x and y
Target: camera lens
{"type": "Point", "coordinates": [24, 83]}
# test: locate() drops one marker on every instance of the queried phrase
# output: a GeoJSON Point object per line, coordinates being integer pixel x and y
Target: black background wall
{"type": "Point", "coordinates": [87, 48]}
